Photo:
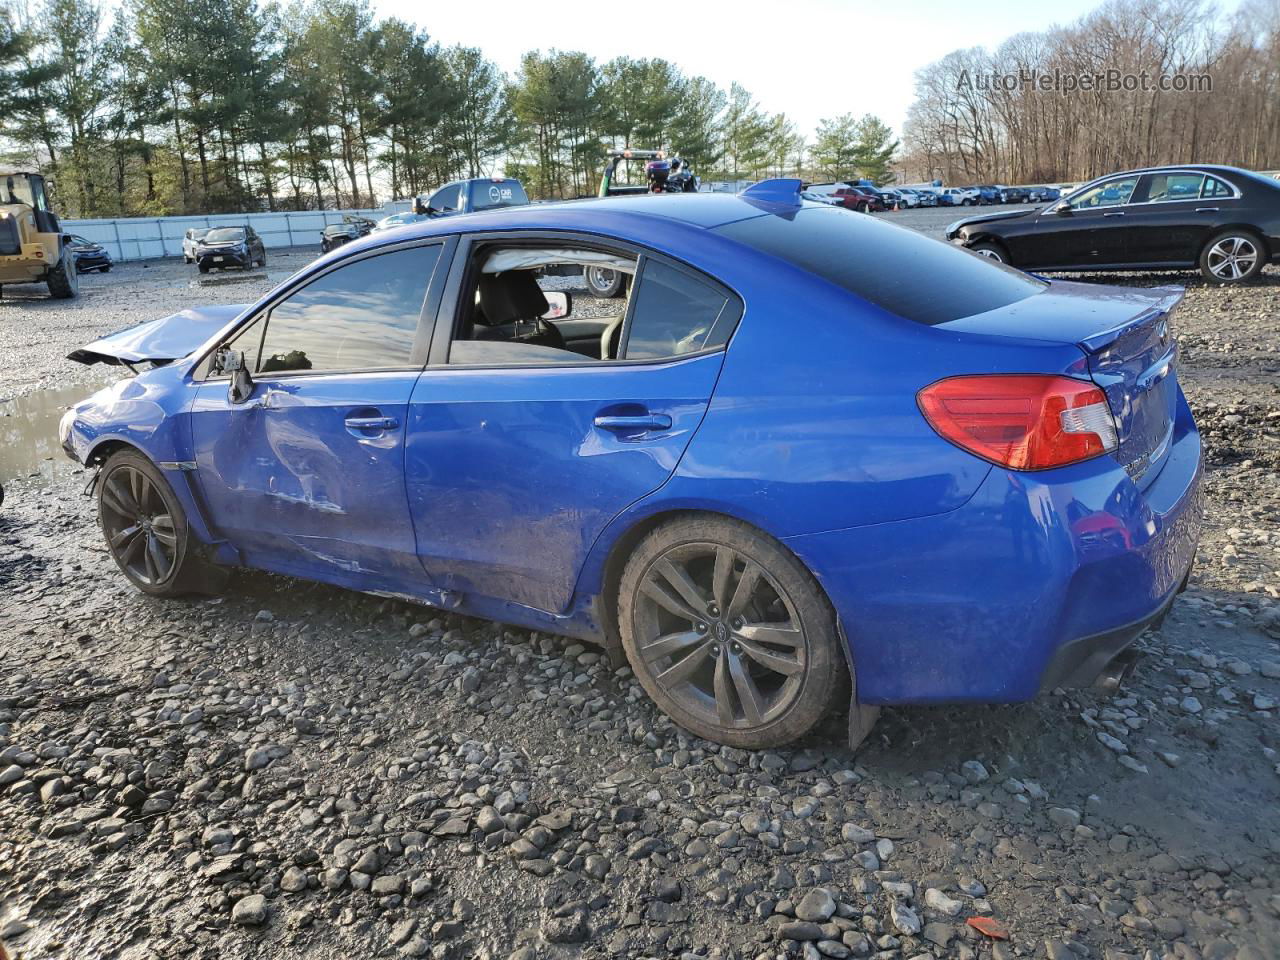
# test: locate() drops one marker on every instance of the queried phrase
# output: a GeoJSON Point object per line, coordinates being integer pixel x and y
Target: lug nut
{"type": "Point", "coordinates": [701, 628]}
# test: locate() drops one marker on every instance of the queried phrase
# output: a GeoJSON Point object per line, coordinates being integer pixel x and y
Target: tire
{"type": "Point", "coordinates": [203, 267]}
{"type": "Point", "coordinates": [106, 269]}
{"type": "Point", "coordinates": [157, 557]}
{"type": "Point", "coordinates": [1233, 256]}
{"type": "Point", "coordinates": [186, 259]}
{"type": "Point", "coordinates": [604, 283]}
{"type": "Point", "coordinates": [64, 279]}
{"type": "Point", "coordinates": [992, 251]}
{"type": "Point", "coordinates": [722, 690]}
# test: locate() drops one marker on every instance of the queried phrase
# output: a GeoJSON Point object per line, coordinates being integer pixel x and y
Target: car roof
{"type": "Point", "coordinates": [621, 215]}
{"type": "Point", "coordinates": [1198, 167]}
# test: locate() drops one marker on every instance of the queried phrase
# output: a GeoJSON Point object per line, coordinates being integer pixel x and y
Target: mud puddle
{"type": "Point", "coordinates": [29, 429]}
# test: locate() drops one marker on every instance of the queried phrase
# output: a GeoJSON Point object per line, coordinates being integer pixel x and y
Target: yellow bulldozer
{"type": "Point", "coordinates": [32, 246]}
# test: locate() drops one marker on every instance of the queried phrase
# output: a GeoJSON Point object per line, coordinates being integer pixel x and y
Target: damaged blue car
{"type": "Point", "coordinates": [810, 459]}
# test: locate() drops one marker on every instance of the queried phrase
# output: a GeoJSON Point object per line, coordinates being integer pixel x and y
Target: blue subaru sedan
{"type": "Point", "coordinates": [810, 459]}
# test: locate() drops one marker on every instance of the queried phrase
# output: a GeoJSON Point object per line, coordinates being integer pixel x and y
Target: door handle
{"type": "Point", "coordinates": [371, 423]}
{"type": "Point", "coordinates": [1206, 209]}
{"type": "Point", "coordinates": [646, 421]}
{"type": "Point", "coordinates": [1114, 213]}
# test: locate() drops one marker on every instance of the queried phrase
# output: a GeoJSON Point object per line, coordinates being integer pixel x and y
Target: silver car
{"type": "Point", "coordinates": [190, 240]}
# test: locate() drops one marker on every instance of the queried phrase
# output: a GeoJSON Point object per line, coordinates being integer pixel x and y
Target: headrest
{"type": "Point", "coordinates": [511, 296]}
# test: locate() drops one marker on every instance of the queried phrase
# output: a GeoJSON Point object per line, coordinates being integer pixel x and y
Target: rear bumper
{"type": "Point", "coordinates": [1037, 580]}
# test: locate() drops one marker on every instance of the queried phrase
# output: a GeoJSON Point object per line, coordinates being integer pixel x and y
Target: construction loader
{"type": "Point", "coordinates": [32, 246]}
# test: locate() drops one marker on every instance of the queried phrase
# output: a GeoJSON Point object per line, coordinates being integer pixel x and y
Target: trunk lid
{"type": "Point", "coordinates": [159, 341]}
{"type": "Point", "coordinates": [1130, 352]}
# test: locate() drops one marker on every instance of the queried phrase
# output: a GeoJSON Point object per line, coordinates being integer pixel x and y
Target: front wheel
{"type": "Point", "coordinates": [203, 267]}
{"type": "Point", "coordinates": [145, 526]}
{"type": "Point", "coordinates": [729, 633]}
{"type": "Point", "coordinates": [64, 279]}
{"type": "Point", "coordinates": [1233, 256]}
{"type": "Point", "coordinates": [992, 251]}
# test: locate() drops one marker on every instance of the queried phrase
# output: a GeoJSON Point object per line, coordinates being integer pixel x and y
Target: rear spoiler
{"type": "Point", "coordinates": [1099, 341]}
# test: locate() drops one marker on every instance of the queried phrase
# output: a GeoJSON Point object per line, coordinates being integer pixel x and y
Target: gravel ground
{"type": "Point", "coordinates": [293, 770]}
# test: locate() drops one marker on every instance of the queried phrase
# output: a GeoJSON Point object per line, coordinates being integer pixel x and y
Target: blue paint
{"type": "Point", "coordinates": [502, 492]}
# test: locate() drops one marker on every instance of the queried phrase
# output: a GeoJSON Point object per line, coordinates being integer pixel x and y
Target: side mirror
{"type": "Point", "coordinates": [420, 207]}
{"type": "Point", "coordinates": [1063, 208]}
{"type": "Point", "coordinates": [560, 304]}
{"type": "Point", "coordinates": [232, 362]}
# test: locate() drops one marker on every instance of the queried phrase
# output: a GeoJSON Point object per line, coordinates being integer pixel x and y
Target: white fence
{"type": "Point", "coordinates": [144, 238]}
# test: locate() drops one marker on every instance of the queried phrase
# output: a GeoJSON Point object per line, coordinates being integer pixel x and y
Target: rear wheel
{"type": "Point", "coordinates": [146, 528]}
{"type": "Point", "coordinates": [1233, 256]}
{"type": "Point", "coordinates": [992, 251]}
{"type": "Point", "coordinates": [729, 633]}
{"type": "Point", "coordinates": [64, 279]}
{"type": "Point", "coordinates": [605, 283]}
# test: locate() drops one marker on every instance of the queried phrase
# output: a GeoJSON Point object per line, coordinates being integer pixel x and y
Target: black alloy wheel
{"type": "Point", "coordinates": [145, 529]}
{"type": "Point", "coordinates": [729, 633]}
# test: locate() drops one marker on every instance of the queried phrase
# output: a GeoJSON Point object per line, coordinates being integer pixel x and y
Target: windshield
{"type": "Point", "coordinates": [490, 194]}
{"type": "Point", "coordinates": [18, 190]}
{"type": "Point", "coordinates": [864, 255]}
{"type": "Point", "coordinates": [224, 235]}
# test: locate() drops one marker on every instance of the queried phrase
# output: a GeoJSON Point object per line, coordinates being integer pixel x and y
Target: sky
{"type": "Point", "coordinates": [811, 59]}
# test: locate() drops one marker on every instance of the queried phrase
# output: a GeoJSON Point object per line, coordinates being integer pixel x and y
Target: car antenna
{"type": "Point", "coordinates": [776, 190]}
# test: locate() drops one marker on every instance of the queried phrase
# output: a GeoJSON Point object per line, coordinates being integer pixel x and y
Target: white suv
{"type": "Point", "coordinates": [189, 240]}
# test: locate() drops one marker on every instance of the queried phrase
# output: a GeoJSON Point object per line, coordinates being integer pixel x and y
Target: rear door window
{"type": "Point", "coordinates": [676, 313]}
{"type": "Point", "coordinates": [1173, 186]}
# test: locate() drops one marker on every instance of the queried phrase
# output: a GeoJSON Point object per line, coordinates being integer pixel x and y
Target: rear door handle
{"type": "Point", "coordinates": [1114, 213]}
{"type": "Point", "coordinates": [371, 423]}
{"type": "Point", "coordinates": [647, 421]}
{"type": "Point", "coordinates": [1206, 209]}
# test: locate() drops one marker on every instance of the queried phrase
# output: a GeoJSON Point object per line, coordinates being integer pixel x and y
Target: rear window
{"type": "Point", "coordinates": [914, 276]}
{"type": "Point", "coordinates": [487, 194]}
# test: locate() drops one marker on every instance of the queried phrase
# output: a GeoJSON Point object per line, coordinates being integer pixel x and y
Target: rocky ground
{"type": "Point", "coordinates": [292, 770]}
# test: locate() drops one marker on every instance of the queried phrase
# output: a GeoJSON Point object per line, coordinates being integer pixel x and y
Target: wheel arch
{"type": "Point", "coordinates": [991, 238]}
{"type": "Point", "coordinates": [1248, 228]}
{"type": "Point", "coordinates": [606, 578]}
{"type": "Point", "coordinates": [179, 481]}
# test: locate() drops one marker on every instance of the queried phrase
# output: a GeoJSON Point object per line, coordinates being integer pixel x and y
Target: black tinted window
{"type": "Point", "coordinates": [1213, 187]}
{"type": "Point", "coordinates": [675, 313]}
{"type": "Point", "coordinates": [360, 316]}
{"type": "Point", "coordinates": [446, 198]}
{"type": "Point", "coordinates": [908, 274]}
{"type": "Point", "coordinates": [486, 194]}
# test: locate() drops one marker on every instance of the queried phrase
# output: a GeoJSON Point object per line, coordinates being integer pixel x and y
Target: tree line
{"type": "Point", "coordinates": [195, 106]}
{"type": "Point", "coordinates": [970, 124]}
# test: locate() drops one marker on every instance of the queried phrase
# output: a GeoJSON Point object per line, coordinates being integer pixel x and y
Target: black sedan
{"type": "Point", "coordinates": [1223, 220]}
{"type": "Point", "coordinates": [88, 255]}
{"type": "Point", "coordinates": [225, 247]}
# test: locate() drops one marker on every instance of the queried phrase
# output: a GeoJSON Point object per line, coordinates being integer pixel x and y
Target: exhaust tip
{"type": "Point", "coordinates": [1118, 671]}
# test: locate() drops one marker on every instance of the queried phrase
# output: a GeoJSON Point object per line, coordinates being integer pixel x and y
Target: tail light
{"type": "Point", "coordinates": [1021, 421]}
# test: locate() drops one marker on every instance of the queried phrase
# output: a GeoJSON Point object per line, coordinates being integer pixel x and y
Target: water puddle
{"type": "Point", "coordinates": [29, 429]}
{"type": "Point", "coordinates": [271, 277]}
